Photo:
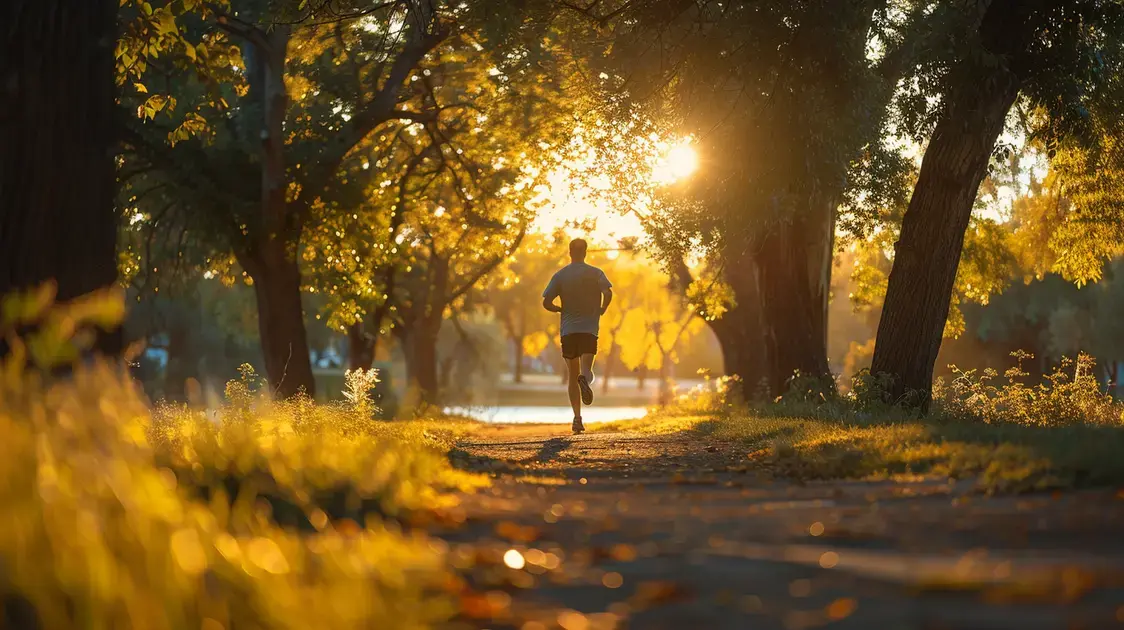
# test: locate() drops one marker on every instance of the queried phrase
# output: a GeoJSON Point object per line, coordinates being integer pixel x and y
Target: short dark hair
{"type": "Point", "coordinates": [578, 247]}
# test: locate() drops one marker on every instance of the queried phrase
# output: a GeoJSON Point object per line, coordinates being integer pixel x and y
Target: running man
{"type": "Point", "coordinates": [586, 293]}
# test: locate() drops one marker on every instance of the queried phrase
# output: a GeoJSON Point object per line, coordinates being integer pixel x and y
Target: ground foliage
{"type": "Point", "coordinates": [270, 515]}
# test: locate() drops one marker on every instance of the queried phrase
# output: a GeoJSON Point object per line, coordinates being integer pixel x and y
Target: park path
{"type": "Point", "coordinates": [623, 530]}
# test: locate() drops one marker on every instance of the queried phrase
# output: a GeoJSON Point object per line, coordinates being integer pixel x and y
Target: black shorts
{"type": "Point", "coordinates": [576, 344]}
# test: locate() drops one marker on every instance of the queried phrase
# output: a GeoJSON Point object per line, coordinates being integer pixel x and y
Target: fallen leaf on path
{"type": "Point", "coordinates": [655, 592]}
{"type": "Point", "coordinates": [488, 605]}
{"type": "Point", "coordinates": [572, 620]}
{"type": "Point", "coordinates": [841, 608]}
{"type": "Point", "coordinates": [623, 552]}
{"type": "Point", "coordinates": [516, 532]}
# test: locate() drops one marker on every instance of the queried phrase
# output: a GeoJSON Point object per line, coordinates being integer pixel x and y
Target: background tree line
{"type": "Point", "coordinates": [385, 158]}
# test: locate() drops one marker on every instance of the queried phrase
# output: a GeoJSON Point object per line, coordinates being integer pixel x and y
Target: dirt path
{"type": "Point", "coordinates": [619, 530]}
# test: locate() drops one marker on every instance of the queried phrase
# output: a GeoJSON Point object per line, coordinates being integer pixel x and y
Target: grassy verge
{"type": "Point", "coordinates": [266, 515]}
{"type": "Point", "coordinates": [1000, 457]}
{"type": "Point", "coordinates": [839, 444]}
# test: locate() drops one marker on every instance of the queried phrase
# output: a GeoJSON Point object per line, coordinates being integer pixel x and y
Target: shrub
{"type": "Point", "coordinates": [1068, 395]}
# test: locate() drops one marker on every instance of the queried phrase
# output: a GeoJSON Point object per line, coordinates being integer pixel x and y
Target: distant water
{"type": "Point", "coordinates": [552, 415]}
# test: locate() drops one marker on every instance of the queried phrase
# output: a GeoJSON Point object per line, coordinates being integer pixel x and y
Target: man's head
{"type": "Point", "coordinates": [578, 247]}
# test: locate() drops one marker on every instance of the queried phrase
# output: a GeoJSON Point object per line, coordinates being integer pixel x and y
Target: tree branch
{"type": "Point", "coordinates": [488, 267]}
{"type": "Point", "coordinates": [378, 111]}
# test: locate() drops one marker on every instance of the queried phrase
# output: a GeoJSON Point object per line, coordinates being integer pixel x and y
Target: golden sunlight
{"type": "Point", "coordinates": [567, 197]}
{"type": "Point", "coordinates": [680, 161]}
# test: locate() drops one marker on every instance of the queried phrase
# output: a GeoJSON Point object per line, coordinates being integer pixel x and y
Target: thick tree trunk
{"type": "Point", "coordinates": [738, 331]}
{"type": "Point", "coordinates": [57, 216]}
{"type": "Point", "coordinates": [421, 359]}
{"type": "Point", "coordinates": [284, 342]}
{"type": "Point", "coordinates": [271, 260]}
{"type": "Point", "coordinates": [793, 279]}
{"type": "Point", "coordinates": [932, 234]}
{"type": "Point", "coordinates": [360, 348]}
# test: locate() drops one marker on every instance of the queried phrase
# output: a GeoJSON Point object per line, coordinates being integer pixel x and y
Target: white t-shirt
{"type": "Point", "coordinates": [580, 286]}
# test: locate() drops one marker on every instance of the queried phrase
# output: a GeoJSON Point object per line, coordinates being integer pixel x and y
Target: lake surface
{"type": "Point", "coordinates": [551, 415]}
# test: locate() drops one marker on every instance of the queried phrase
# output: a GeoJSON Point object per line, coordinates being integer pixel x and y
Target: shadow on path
{"type": "Point", "coordinates": [551, 449]}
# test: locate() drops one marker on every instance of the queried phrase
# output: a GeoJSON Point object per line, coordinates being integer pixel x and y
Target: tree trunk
{"type": "Point", "coordinates": [932, 234]}
{"type": "Point", "coordinates": [180, 362]}
{"type": "Point", "coordinates": [284, 342]}
{"type": "Point", "coordinates": [608, 369]}
{"type": "Point", "coordinates": [641, 377]}
{"type": "Point", "coordinates": [664, 395]}
{"type": "Point", "coordinates": [517, 373]}
{"type": "Point", "coordinates": [445, 372]}
{"type": "Point", "coordinates": [420, 347]}
{"type": "Point", "coordinates": [793, 281]}
{"type": "Point", "coordinates": [56, 121]}
{"type": "Point", "coordinates": [738, 331]}
{"type": "Point", "coordinates": [360, 348]}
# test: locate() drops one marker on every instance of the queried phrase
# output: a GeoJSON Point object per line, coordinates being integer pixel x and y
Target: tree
{"type": "Point", "coordinates": [1046, 50]}
{"type": "Point", "coordinates": [514, 296]}
{"type": "Point", "coordinates": [273, 114]}
{"type": "Point", "coordinates": [56, 117]}
{"type": "Point", "coordinates": [448, 202]}
{"type": "Point", "coordinates": [654, 326]}
{"type": "Point", "coordinates": [787, 111]}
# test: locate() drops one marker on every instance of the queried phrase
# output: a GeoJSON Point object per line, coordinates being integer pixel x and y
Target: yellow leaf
{"type": "Point", "coordinates": [140, 88]}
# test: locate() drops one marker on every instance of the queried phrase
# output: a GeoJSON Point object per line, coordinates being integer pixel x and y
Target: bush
{"type": "Point", "coordinates": [1070, 395]}
{"type": "Point", "coordinates": [1059, 399]}
{"type": "Point", "coordinates": [117, 516]}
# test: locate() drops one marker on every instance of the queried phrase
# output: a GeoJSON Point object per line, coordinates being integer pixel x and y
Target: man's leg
{"type": "Point", "coordinates": [573, 366]}
{"type": "Point", "coordinates": [587, 367]}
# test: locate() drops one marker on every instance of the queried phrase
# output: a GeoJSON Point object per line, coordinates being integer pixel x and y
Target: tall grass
{"type": "Point", "coordinates": [265, 515]}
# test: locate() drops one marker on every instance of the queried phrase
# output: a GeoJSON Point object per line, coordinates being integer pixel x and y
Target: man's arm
{"type": "Point", "coordinates": [551, 294]}
{"type": "Point", "coordinates": [606, 298]}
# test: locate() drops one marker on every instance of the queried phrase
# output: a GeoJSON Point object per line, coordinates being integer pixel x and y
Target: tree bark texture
{"type": "Point", "coordinates": [57, 215]}
{"type": "Point", "coordinates": [794, 278]}
{"type": "Point", "coordinates": [284, 342]}
{"type": "Point", "coordinates": [932, 235]}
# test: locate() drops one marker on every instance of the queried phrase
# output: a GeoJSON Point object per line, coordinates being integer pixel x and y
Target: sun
{"type": "Point", "coordinates": [576, 191]}
{"type": "Point", "coordinates": [679, 162]}
{"type": "Point", "coordinates": [683, 161]}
